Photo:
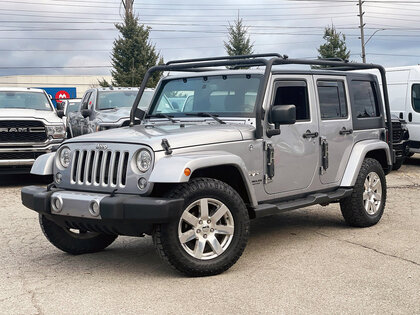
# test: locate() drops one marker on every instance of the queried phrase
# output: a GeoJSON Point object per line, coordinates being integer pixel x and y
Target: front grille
{"type": "Point", "coordinates": [103, 168]}
{"type": "Point", "coordinates": [397, 132]}
{"type": "Point", "coordinates": [20, 155]}
{"type": "Point", "coordinates": [12, 131]}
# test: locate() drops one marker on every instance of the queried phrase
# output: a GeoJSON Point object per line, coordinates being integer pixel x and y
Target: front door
{"type": "Point", "coordinates": [296, 149]}
{"type": "Point", "coordinates": [413, 110]}
{"type": "Point", "coordinates": [336, 128]}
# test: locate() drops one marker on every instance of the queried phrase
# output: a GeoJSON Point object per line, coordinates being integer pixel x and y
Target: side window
{"type": "Point", "coordinates": [415, 97]}
{"type": "Point", "coordinates": [332, 99]}
{"type": "Point", "coordinates": [365, 99]}
{"type": "Point", "coordinates": [293, 93]}
{"type": "Point", "coordinates": [85, 100]}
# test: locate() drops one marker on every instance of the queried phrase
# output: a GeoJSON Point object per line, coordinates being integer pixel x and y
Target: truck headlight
{"type": "Point", "coordinates": [57, 132]}
{"type": "Point", "coordinates": [64, 157]}
{"type": "Point", "coordinates": [143, 160]}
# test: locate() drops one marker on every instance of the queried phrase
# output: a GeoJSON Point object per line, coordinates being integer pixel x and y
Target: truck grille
{"type": "Point", "coordinates": [22, 131]}
{"type": "Point", "coordinates": [20, 155]}
{"type": "Point", "coordinates": [99, 168]}
{"type": "Point", "coordinates": [397, 132]}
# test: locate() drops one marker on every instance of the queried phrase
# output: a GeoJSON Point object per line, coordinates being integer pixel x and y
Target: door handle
{"type": "Point", "coordinates": [308, 134]}
{"type": "Point", "coordinates": [410, 117]}
{"type": "Point", "coordinates": [345, 131]}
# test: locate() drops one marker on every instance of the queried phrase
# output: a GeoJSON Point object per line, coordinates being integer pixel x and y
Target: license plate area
{"type": "Point", "coordinates": [76, 204]}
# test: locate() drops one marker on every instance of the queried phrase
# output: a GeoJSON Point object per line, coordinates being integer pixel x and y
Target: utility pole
{"type": "Point", "coordinates": [128, 5]}
{"type": "Point", "coordinates": [362, 30]}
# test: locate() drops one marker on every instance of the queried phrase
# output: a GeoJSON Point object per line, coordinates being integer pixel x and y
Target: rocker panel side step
{"type": "Point", "coordinates": [267, 209]}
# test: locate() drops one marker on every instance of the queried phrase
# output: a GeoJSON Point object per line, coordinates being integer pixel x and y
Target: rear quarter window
{"type": "Point", "coordinates": [365, 99]}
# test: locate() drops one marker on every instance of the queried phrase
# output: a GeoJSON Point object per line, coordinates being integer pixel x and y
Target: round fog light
{"type": "Point", "coordinates": [94, 208]}
{"type": "Point", "coordinates": [57, 204]}
{"type": "Point", "coordinates": [142, 183]}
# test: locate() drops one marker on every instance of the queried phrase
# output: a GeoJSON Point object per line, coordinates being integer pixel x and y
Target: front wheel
{"type": "Point", "coordinates": [74, 242]}
{"type": "Point", "coordinates": [211, 231]}
{"type": "Point", "coordinates": [367, 203]}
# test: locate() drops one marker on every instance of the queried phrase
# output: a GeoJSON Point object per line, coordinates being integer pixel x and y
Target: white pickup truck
{"type": "Point", "coordinates": [29, 127]}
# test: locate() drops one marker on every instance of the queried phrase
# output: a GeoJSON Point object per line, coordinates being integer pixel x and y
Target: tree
{"type": "Point", "coordinates": [335, 46]}
{"type": "Point", "coordinates": [133, 54]}
{"type": "Point", "coordinates": [104, 83]}
{"type": "Point", "coordinates": [238, 42]}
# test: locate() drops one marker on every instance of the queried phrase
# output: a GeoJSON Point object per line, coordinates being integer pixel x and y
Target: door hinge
{"type": "Point", "coordinates": [324, 155]}
{"type": "Point", "coordinates": [269, 148]}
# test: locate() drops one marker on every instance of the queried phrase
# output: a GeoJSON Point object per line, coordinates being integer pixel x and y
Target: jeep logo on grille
{"type": "Point", "coordinates": [101, 146]}
{"type": "Point", "coordinates": [14, 129]}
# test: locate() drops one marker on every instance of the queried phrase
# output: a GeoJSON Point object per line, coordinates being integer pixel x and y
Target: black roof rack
{"type": "Point", "coordinates": [267, 60]}
{"type": "Point", "coordinates": [183, 61]}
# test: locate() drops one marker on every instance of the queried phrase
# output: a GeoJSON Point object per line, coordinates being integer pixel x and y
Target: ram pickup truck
{"type": "Point", "coordinates": [243, 144]}
{"type": "Point", "coordinates": [105, 108]}
{"type": "Point", "coordinates": [29, 128]}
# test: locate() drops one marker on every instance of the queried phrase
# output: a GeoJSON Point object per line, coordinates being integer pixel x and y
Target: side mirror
{"type": "Point", "coordinates": [86, 113]}
{"type": "Point", "coordinates": [60, 105]}
{"type": "Point", "coordinates": [281, 115]}
{"type": "Point", "coordinates": [60, 113]}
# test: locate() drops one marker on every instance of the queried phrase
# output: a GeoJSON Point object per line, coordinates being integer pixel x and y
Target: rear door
{"type": "Point", "coordinates": [413, 117]}
{"type": "Point", "coordinates": [336, 128]}
{"type": "Point", "coordinates": [296, 149]}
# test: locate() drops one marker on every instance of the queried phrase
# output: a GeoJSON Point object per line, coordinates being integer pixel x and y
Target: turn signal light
{"type": "Point", "coordinates": [187, 172]}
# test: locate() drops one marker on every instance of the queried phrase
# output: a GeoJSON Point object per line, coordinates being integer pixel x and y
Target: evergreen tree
{"type": "Point", "coordinates": [104, 83]}
{"type": "Point", "coordinates": [238, 42]}
{"type": "Point", "coordinates": [335, 46]}
{"type": "Point", "coordinates": [133, 54]}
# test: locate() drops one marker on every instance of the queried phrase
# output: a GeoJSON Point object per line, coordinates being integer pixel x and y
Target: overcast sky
{"type": "Point", "coordinates": [37, 36]}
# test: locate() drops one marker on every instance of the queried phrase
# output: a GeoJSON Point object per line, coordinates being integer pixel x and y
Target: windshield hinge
{"type": "Point", "coordinates": [165, 145]}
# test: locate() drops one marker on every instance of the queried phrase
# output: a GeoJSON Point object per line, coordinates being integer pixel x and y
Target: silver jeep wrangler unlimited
{"type": "Point", "coordinates": [242, 144]}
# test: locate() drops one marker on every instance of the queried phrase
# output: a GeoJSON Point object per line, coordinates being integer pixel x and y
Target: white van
{"type": "Point", "coordinates": [404, 99]}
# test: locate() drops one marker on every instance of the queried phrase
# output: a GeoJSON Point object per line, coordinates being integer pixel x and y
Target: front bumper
{"type": "Point", "coordinates": [401, 150]}
{"type": "Point", "coordinates": [17, 158]}
{"type": "Point", "coordinates": [119, 214]}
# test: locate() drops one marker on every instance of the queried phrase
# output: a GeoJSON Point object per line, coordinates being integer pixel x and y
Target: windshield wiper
{"type": "Point", "coordinates": [160, 115]}
{"type": "Point", "coordinates": [107, 108]}
{"type": "Point", "coordinates": [207, 115]}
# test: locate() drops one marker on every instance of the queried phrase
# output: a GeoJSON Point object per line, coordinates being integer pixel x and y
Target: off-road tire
{"type": "Point", "coordinates": [165, 236]}
{"type": "Point", "coordinates": [65, 241]}
{"type": "Point", "coordinates": [352, 207]}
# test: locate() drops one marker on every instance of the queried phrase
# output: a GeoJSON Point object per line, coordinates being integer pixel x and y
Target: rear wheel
{"type": "Point", "coordinates": [366, 205]}
{"type": "Point", "coordinates": [74, 241]}
{"type": "Point", "coordinates": [211, 231]}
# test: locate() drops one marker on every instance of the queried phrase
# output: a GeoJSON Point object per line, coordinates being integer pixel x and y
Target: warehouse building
{"type": "Point", "coordinates": [73, 85]}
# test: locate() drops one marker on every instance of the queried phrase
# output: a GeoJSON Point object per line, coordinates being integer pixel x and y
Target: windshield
{"type": "Point", "coordinates": [115, 99]}
{"type": "Point", "coordinates": [25, 100]}
{"type": "Point", "coordinates": [223, 95]}
{"type": "Point", "coordinates": [73, 106]}
{"type": "Point", "coordinates": [146, 98]}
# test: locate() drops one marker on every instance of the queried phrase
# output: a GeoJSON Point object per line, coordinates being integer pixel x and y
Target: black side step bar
{"type": "Point", "coordinates": [267, 209]}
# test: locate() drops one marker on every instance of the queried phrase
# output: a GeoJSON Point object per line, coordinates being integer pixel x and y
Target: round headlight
{"type": "Point", "coordinates": [64, 157]}
{"type": "Point", "coordinates": [144, 160]}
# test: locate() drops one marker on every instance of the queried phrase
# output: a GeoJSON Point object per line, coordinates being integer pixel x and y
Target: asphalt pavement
{"type": "Point", "coordinates": [305, 261]}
